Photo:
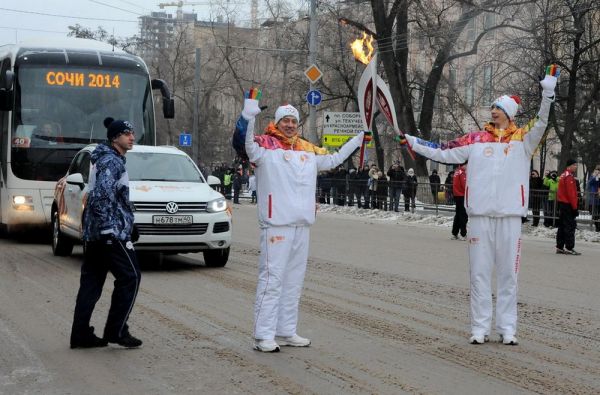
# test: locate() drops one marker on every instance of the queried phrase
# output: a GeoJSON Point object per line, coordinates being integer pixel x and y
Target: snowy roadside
{"type": "Point", "coordinates": [584, 233]}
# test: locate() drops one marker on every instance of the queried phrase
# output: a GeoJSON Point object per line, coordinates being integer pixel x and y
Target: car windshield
{"type": "Point", "coordinates": [152, 166]}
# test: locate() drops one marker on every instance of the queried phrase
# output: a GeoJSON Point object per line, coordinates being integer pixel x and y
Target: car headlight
{"type": "Point", "coordinates": [217, 205]}
{"type": "Point", "coordinates": [21, 202]}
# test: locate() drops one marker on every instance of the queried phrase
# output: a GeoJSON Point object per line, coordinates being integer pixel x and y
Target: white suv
{"type": "Point", "coordinates": [176, 210]}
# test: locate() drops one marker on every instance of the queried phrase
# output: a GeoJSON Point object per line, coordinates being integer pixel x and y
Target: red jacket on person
{"type": "Point", "coordinates": [459, 181]}
{"type": "Point", "coordinates": [567, 189]}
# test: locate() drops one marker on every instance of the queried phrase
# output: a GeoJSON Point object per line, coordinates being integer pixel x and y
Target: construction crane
{"type": "Point", "coordinates": [179, 4]}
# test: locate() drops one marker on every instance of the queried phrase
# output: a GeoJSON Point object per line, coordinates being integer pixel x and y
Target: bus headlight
{"type": "Point", "coordinates": [217, 205]}
{"type": "Point", "coordinates": [22, 202]}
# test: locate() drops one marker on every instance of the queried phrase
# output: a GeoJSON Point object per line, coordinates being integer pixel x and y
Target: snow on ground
{"type": "Point", "coordinates": [425, 217]}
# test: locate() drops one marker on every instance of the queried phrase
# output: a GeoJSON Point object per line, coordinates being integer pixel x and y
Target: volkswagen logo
{"type": "Point", "coordinates": [172, 207]}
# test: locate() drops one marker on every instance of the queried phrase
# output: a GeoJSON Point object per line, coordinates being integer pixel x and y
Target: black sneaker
{"type": "Point", "coordinates": [572, 252]}
{"type": "Point", "coordinates": [560, 251]}
{"type": "Point", "coordinates": [126, 341]}
{"type": "Point", "coordinates": [88, 340]}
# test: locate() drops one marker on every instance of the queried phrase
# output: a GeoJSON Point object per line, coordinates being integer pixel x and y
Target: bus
{"type": "Point", "coordinates": [54, 97]}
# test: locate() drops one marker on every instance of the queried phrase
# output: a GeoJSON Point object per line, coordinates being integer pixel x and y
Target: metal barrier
{"type": "Point", "coordinates": [438, 198]}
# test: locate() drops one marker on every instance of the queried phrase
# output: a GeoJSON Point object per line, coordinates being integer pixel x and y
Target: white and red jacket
{"type": "Point", "coordinates": [499, 160]}
{"type": "Point", "coordinates": [286, 180]}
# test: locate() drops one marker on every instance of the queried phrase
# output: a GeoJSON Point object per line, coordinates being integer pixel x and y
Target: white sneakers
{"type": "Point", "coordinates": [479, 339]}
{"type": "Point", "coordinates": [509, 340]}
{"type": "Point", "coordinates": [293, 341]}
{"type": "Point", "coordinates": [266, 345]}
{"type": "Point", "coordinates": [273, 346]}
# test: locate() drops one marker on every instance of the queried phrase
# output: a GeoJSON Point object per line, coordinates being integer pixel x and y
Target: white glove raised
{"type": "Point", "coordinates": [548, 84]}
{"type": "Point", "coordinates": [251, 109]}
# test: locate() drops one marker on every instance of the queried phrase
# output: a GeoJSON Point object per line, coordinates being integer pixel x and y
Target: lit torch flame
{"type": "Point", "coordinates": [358, 47]}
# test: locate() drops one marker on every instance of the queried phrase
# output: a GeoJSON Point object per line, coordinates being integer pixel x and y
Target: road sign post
{"type": "Point", "coordinates": [314, 97]}
{"type": "Point", "coordinates": [185, 140]}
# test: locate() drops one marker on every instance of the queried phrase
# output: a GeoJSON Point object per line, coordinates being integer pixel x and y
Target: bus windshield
{"type": "Point", "coordinates": [59, 110]}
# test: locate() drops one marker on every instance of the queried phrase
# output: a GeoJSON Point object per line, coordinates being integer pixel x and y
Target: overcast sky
{"type": "Point", "coordinates": [25, 19]}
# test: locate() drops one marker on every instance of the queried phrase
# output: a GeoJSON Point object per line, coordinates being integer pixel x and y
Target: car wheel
{"type": "Point", "coordinates": [61, 244]}
{"type": "Point", "coordinates": [216, 258]}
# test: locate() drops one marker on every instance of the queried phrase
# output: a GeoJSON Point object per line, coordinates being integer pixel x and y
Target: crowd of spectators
{"type": "Point", "coordinates": [371, 188]}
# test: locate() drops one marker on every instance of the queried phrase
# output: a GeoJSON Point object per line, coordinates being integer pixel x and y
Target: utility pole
{"type": "Point", "coordinates": [196, 126]}
{"type": "Point", "coordinates": [312, 59]}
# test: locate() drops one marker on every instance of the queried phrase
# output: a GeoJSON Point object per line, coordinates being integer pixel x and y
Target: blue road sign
{"type": "Point", "coordinates": [314, 97]}
{"type": "Point", "coordinates": [185, 140]}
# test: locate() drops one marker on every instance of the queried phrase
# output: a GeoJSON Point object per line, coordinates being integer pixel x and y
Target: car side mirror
{"type": "Point", "coordinates": [76, 179]}
{"type": "Point", "coordinates": [212, 180]}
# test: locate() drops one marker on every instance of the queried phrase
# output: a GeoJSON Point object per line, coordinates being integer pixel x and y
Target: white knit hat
{"type": "Point", "coordinates": [286, 111]}
{"type": "Point", "coordinates": [508, 104]}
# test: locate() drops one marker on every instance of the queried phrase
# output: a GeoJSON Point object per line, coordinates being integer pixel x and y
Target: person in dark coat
{"type": "Point", "coordinates": [434, 183]}
{"type": "Point", "coordinates": [593, 196]}
{"type": "Point", "coordinates": [410, 191]}
{"type": "Point", "coordinates": [397, 178]}
{"type": "Point", "coordinates": [382, 191]}
{"type": "Point", "coordinates": [324, 184]}
{"type": "Point", "coordinates": [339, 180]}
{"type": "Point", "coordinates": [363, 186]}
{"type": "Point", "coordinates": [536, 193]}
{"type": "Point", "coordinates": [238, 180]}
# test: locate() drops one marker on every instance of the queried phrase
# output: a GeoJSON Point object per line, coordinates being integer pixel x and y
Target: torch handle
{"type": "Point", "coordinates": [410, 150]}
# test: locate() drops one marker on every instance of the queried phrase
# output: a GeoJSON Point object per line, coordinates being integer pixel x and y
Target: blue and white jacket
{"type": "Point", "coordinates": [108, 210]}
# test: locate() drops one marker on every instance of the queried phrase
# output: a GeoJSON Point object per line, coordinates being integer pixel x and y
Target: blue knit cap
{"type": "Point", "coordinates": [115, 128]}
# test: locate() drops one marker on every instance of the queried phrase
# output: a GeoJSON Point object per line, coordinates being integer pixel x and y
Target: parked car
{"type": "Point", "coordinates": [176, 210]}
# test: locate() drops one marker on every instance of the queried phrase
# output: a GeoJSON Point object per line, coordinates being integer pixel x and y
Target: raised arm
{"type": "Point", "coordinates": [326, 162]}
{"type": "Point", "coordinates": [535, 134]}
{"type": "Point", "coordinates": [243, 136]}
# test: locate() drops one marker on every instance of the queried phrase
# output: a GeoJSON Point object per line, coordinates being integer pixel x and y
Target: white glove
{"type": "Point", "coordinates": [548, 84]}
{"type": "Point", "coordinates": [251, 109]}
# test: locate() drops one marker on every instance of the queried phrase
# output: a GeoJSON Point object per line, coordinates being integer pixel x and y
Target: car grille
{"type": "Point", "coordinates": [194, 229]}
{"type": "Point", "coordinates": [161, 207]}
{"type": "Point", "coordinates": [221, 227]}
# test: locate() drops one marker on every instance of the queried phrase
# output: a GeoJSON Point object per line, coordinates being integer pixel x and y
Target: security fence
{"type": "Point", "coordinates": [395, 196]}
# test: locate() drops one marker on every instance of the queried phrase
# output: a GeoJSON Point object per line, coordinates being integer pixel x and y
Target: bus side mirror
{"type": "Point", "coordinates": [168, 108]}
{"type": "Point", "coordinates": [168, 102]}
{"type": "Point", "coordinates": [6, 91]}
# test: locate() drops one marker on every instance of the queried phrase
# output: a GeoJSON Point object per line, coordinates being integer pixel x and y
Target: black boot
{"type": "Point", "coordinates": [87, 339]}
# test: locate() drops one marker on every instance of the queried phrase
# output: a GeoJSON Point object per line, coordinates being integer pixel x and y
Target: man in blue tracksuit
{"type": "Point", "coordinates": [107, 234]}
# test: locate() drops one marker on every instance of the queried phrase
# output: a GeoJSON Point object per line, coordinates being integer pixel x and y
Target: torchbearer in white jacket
{"type": "Point", "coordinates": [496, 197]}
{"type": "Point", "coordinates": [286, 175]}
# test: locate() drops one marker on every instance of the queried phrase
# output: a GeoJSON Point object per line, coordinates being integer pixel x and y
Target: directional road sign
{"type": "Point", "coordinates": [337, 140]}
{"type": "Point", "coordinates": [313, 97]}
{"type": "Point", "coordinates": [185, 140]}
{"type": "Point", "coordinates": [348, 123]}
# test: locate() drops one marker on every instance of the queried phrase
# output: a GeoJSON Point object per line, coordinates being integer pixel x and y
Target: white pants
{"type": "Point", "coordinates": [494, 242]}
{"type": "Point", "coordinates": [281, 269]}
